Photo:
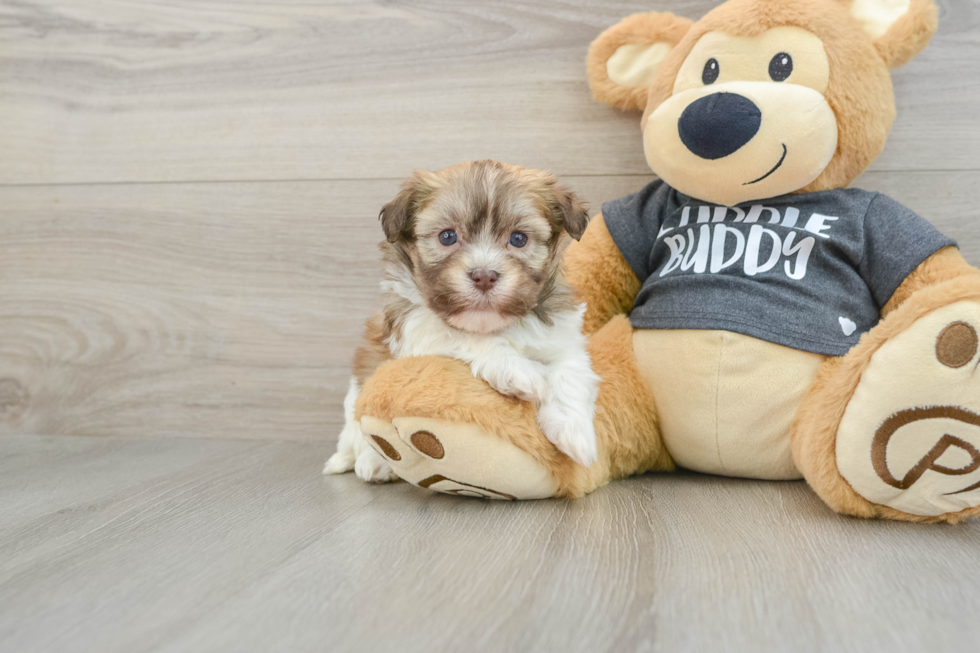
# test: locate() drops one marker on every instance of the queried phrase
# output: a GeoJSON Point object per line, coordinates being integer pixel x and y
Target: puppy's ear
{"type": "Point", "coordinates": [571, 212]}
{"type": "Point", "coordinates": [900, 29]}
{"type": "Point", "coordinates": [398, 216]}
{"type": "Point", "coordinates": [622, 61]}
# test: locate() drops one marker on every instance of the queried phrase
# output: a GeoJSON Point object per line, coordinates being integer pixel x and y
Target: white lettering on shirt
{"type": "Point", "coordinates": [802, 252]}
{"type": "Point", "coordinates": [752, 247]}
{"type": "Point", "coordinates": [815, 224]}
{"type": "Point", "coordinates": [703, 248]}
{"type": "Point", "coordinates": [718, 247]}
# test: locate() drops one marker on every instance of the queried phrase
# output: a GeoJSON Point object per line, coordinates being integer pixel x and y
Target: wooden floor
{"type": "Point", "coordinates": [188, 192]}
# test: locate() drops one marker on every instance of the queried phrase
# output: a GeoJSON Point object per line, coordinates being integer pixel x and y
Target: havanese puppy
{"type": "Point", "coordinates": [473, 271]}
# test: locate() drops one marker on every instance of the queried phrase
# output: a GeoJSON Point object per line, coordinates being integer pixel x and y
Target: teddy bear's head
{"type": "Point", "coordinates": [761, 97]}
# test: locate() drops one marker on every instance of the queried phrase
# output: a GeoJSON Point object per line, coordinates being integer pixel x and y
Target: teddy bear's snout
{"type": "Point", "coordinates": [719, 124]}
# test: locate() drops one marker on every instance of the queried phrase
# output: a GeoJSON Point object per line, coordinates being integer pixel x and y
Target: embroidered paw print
{"type": "Point", "coordinates": [457, 459]}
{"type": "Point", "coordinates": [910, 437]}
{"type": "Point", "coordinates": [956, 345]}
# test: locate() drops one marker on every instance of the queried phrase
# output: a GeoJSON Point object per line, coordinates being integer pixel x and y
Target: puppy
{"type": "Point", "coordinates": [473, 271]}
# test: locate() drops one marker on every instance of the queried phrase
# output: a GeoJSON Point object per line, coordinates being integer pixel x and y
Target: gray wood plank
{"type": "Point", "coordinates": [185, 545]}
{"type": "Point", "coordinates": [229, 310]}
{"type": "Point", "coordinates": [103, 90]}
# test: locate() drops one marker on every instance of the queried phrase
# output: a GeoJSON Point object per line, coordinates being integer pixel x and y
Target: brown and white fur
{"type": "Point", "coordinates": [502, 308]}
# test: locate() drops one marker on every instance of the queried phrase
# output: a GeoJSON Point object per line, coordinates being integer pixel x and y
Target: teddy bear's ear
{"type": "Point", "coordinates": [900, 28]}
{"type": "Point", "coordinates": [623, 61]}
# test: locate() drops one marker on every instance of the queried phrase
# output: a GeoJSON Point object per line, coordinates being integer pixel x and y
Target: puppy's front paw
{"type": "Point", "coordinates": [349, 444]}
{"type": "Point", "coordinates": [340, 463]}
{"type": "Point", "coordinates": [373, 468]}
{"type": "Point", "coordinates": [517, 377]}
{"type": "Point", "coordinates": [573, 434]}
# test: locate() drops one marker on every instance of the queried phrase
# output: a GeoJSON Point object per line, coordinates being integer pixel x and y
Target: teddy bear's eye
{"type": "Point", "coordinates": [710, 73]}
{"type": "Point", "coordinates": [780, 67]}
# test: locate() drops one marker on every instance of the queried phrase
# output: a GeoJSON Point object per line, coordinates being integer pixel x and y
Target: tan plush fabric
{"type": "Point", "coordinates": [642, 30]}
{"type": "Point", "coordinates": [444, 390]}
{"type": "Point", "coordinates": [601, 276]}
{"type": "Point", "coordinates": [945, 265]}
{"type": "Point", "coordinates": [434, 453]}
{"type": "Point", "coordinates": [875, 458]}
{"type": "Point", "coordinates": [816, 426]}
{"type": "Point", "coordinates": [726, 400]}
{"type": "Point", "coordinates": [859, 89]}
{"type": "Point", "coordinates": [796, 117]}
{"type": "Point", "coordinates": [909, 34]}
{"type": "Point", "coordinates": [634, 65]}
{"type": "Point", "coordinates": [877, 16]}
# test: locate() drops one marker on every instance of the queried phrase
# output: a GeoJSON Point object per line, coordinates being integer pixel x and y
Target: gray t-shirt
{"type": "Point", "coordinates": [809, 271]}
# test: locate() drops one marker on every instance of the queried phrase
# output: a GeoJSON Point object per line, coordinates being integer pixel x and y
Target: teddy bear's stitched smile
{"type": "Point", "coordinates": [774, 169]}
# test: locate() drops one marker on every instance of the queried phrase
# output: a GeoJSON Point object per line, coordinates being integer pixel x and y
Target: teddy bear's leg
{"type": "Point", "coordinates": [442, 429]}
{"type": "Point", "coordinates": [892, 429]}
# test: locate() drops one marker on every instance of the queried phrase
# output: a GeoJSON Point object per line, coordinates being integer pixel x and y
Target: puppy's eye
{"type": "Point", "coordinates": [710, 73]}
{"type": "Point", "coordinates": [447, 237]}
{"type": "Point", "coordinates": [781, 67]}
{"type": "Point", "coordinates": [517, 239]}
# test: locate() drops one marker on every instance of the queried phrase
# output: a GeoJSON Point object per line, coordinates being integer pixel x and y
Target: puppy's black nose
{"type": "Point", "coordinates": [484, 279]}
{"type": "Point", "coordinates": [719, 124]}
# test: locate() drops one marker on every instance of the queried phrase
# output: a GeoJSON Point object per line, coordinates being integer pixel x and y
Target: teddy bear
{"type": "Point", "coordinates": [749, 314]}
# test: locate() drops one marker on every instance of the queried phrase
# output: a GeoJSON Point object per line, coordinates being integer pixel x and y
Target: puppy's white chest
{"type": "Point", "coordinates": [427, 335]}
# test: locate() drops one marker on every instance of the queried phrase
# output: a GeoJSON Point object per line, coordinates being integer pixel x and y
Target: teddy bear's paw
{"type": "Point", "coordinates": [910, 436]}
{"type": "Point", "coordinates": [457, 458]}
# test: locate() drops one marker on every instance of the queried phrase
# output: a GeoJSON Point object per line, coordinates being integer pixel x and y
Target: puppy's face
{"type": "Point", "coordinates": [483, 240]}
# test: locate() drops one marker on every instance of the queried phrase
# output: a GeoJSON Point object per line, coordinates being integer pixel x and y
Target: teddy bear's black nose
{"type": "Point", "coordinates": [719, 124]}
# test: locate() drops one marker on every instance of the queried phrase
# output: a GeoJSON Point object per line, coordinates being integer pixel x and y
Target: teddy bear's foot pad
{"type": "Point", "coordinates": [455, 458]}
{"type": "Point", "coordinates": [910, 436]}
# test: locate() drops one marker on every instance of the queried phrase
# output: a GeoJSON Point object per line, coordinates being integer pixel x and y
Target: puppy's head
{"type": "Point", "coordinates": [483, 241]}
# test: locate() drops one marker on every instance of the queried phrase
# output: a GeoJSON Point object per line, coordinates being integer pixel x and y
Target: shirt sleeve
{"type": "Point", "coordinates": [633, 222]}
{"type": "Point", "coordinates": [896, 241]}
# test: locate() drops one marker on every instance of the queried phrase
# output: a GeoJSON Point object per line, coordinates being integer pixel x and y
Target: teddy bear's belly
{"type": "Point", "coordinates": [726, 400]}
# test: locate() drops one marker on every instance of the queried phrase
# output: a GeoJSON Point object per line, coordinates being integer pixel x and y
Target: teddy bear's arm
{"type": "Point", "coordinates": [944, 265]}
{"type": "Point", "coordinates": [603, 279]}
